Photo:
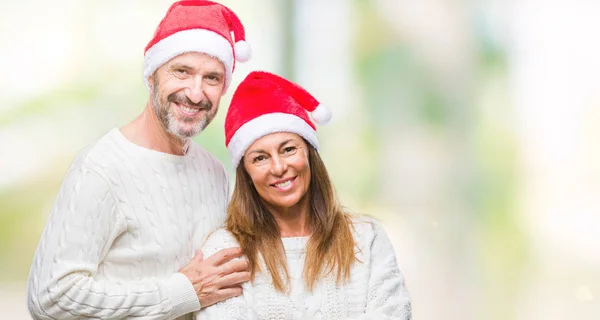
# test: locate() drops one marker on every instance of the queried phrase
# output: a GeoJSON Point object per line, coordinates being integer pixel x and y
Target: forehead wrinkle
{"type": "Point", "coordinates": [186, 58]}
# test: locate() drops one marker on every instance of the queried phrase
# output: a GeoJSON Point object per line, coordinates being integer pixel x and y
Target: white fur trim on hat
{"type": "Point", "coordinates": [193, 40]}
{"type": "Point", "coordinates": [261, 126]}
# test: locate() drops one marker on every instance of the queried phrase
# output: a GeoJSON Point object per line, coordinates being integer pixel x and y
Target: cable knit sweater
{"type": "Point", "coordinates": [376, 289]}
{"type": "Point", "coordinates": [125, 220]}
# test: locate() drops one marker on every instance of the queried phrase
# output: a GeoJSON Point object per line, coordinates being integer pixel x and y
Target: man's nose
{"type": "Point", "coordinates": [195, 91]}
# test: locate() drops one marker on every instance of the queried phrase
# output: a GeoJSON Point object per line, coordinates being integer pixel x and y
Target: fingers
{"type": "Point", "coordinates": [224, 255]}
{"type": "Point", "coordinates": [237, 265]}
{"type": "Point", "coordinates": [221, 295]}
{"type": "Point", "coordinates": [222, 276]}
{"type": "Point", "coordinates": [231, 292]}
{"type": "Point", "coordinates": [198, 256]}
{"type": "Point", "coordinates": [233, 279]}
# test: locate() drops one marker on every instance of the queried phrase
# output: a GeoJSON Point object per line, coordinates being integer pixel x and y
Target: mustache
{"type": "Point", "coordinates": [180, 98]}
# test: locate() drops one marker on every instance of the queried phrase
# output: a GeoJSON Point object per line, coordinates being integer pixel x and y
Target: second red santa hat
{"type": "Point", "coordinates": [265, 103]}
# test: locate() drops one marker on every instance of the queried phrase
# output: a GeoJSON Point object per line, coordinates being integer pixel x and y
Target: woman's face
{"type": "Point", "coordinates": [278, 166]}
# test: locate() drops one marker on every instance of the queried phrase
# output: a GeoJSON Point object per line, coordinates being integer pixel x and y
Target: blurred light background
{"type": "Point", "coordinates": [471, 128]}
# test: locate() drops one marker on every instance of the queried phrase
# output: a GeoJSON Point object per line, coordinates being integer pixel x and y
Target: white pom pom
{"type": "Point", "coordinates": [321, 114]}
{"type": "Point", "coordinates": [242, 51]}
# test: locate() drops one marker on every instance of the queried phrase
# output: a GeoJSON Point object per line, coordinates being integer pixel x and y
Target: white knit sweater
{"type": "Point", "coordinates": [376, 289]}
{"type": "Point", "coordinates": [125, 220]}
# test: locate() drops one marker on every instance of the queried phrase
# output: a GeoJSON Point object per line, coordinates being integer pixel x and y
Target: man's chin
{"type": "Point", "coordinates": [186, 133]}
{"type": "Point", "coordinates": [187, 129]}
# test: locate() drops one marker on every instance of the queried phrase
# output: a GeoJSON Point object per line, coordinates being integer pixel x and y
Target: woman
{"type": "Point", "coordinates": [308, 257]}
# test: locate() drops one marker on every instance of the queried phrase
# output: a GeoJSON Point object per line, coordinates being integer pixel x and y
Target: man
{"type": "Point", "coordinates": [135, 206]}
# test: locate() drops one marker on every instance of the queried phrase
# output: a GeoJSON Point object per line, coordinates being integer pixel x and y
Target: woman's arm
{"type": "Point", "coordinates": [387, 296]}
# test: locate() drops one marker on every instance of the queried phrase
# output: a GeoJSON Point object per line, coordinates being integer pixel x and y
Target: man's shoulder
{"type": "Point", "coordinates": [95, 154]}
{"type": "Point", "coordinates": [88, 168]}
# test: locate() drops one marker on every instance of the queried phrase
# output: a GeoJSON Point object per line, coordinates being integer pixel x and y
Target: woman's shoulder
{"type": "Point", "coordinates": [218, 240]}
{"type": "Point", "coordinates": [364, 223]}
{"type": "Point", "coordinates": [366, 227]}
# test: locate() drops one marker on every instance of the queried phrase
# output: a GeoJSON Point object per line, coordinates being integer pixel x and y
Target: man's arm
{"type": "Point", "coordinates": [83, 223]}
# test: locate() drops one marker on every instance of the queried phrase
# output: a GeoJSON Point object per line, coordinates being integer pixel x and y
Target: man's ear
{"type": "Point", "coordinates": [151, 81]}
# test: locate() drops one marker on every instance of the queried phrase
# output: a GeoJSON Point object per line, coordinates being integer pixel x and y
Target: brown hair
{"type": "Point", "coordinates": [330, 247]}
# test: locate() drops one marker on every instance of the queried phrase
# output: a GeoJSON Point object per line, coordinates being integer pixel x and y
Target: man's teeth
{"type": "Point", "coordinates": [188, 110]}
{"type": "Point", "coordinates": [283, 184]}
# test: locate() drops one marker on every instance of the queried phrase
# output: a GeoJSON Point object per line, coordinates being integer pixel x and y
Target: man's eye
{"type": "Point", "coordinates": [181, 71]}
{"type": "Point", "coordinates": [213, 79]}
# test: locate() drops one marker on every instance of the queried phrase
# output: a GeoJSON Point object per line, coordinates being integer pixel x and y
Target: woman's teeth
{"type": "Point", "coordinates": [283, 184]}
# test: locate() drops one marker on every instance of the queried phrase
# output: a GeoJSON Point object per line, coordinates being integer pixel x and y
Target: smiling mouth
{"type": "Point", "coordinates": [188, 111]}
{"type": "Point", "coordinates": [285, 185]}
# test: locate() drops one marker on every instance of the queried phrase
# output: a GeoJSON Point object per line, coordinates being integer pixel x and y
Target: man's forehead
{"type": "Point", "coordinates": [196, 60]}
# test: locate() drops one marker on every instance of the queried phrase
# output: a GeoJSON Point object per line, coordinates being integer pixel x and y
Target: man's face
{"type": "Point", "coordinates": [186, 92]}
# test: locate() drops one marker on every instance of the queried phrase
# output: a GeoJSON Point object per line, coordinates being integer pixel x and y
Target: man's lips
{"type": "Point", "coordinates": [188, 110]}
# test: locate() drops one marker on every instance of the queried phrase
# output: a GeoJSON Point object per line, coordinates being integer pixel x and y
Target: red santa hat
{"type": "Point", "coordinates": [197, 26]}
{"type": "Point", "coordinates": [265, 103]}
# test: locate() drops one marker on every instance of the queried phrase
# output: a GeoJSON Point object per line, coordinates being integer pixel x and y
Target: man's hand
{"type": "Point", "coordinates": [218, 277]}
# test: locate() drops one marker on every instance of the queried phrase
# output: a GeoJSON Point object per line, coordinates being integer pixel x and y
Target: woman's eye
{"type": "Point", "coordinates": [289, 149]}
{"type": "Point", "coordinates": [258, 159]}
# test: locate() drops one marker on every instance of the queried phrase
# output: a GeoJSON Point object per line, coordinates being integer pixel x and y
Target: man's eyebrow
{"type": "Point", "coordinates": [181, 66]}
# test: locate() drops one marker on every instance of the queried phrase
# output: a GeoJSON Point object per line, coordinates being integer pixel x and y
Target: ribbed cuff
{"type": "Point", "coordinates": [182, 295]}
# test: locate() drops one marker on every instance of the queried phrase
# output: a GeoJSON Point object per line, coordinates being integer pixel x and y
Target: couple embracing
{"type": "Point", "coordinates": [144, 225]}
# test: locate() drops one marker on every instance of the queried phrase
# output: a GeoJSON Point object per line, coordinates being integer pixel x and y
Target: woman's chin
{"type": "Point", "coordinates": [284, 204]}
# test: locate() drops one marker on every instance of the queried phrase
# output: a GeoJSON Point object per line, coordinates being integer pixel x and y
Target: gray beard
{"type": "Point", "coordinates": [168, 118]}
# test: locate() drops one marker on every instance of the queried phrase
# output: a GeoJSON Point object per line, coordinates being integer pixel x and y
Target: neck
{"type": "Point", "coordinates": [147, 131]}
{"type": "Point", "coordinates": [293, 221]}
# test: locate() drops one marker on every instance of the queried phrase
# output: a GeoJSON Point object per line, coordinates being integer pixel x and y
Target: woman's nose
{"type": "Point", "coordinates": [278, 166]}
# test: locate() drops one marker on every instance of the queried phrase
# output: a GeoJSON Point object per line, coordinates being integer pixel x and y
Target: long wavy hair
{"type": "Point", "coordinates": [331, 244]}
